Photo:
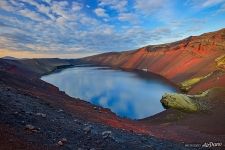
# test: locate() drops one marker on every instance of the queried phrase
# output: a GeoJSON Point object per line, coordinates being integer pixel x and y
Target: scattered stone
{"type": "Point", "coordinates": [106, 134]}
{"type": "Point", "coordinates": [16, 113]}
{"type": "Point", "coordinates": [89, 138]}
{"type": "Point", "coordinates": [10, 140]}
{"type": "Point", "coordinates": [31, 128]}
{"type": "Point", "coordinates": [29, 113]}
{"type": "Point", "coordinates": [60, 110]}
{"type": "Point", "coordinates": [60, 143]}
{"type": "Point", "coordinates": [149, 146]}
{"type": "Point", "coordinates": [41, 114]}
{"type": "Point", "coordinates": [87, 129]}
{"type": "Point", "coordinates": [80, 149]}
{"type": "Point", "coordinates": [92, 149]}
{"type": "Point", "coordinates": [64, 140]}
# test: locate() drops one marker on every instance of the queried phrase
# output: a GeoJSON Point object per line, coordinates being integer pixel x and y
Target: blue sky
{"type": "Point", "coordinates": [77, 28]}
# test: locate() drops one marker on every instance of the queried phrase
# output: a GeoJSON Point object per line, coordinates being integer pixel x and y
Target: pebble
{"type": "Point", "coordinates": [60, 110]}
{"type": "Point", "coordinates": [41, 114]}
{"type": "Point", "coordinates": [31, 128]}
{"type": "Point", "coordinates": [106, 134]}
{"type": "Point", "coordinates": [16, 113]}
{"type": "Point", "coordinates": [64, 140]}
{"type": "Point", "coordinates": [87, 129]}
{"type": "Point", "coordinates": [60, 143]}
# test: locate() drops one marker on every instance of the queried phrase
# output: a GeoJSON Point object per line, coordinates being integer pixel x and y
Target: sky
{"type": "Point", "coordinates": [79, 28]}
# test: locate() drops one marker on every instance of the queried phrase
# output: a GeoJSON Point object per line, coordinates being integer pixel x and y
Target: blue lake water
{"type": "Point", "coordinates": [128, 94]}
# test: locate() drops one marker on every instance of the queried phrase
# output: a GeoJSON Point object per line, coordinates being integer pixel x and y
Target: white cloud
{"type": "Point", "coordinates": [108, 31]}
{"type": "Point", "coordinates": [150, 6]}
{"type": "Point", "coordinates": [208, 3]}
{"type": "Point", "coordinates": [204, 3]}
{"type": "Point", "coordinates": [76, 6]}
{"type": "Point", "coordinates": [6, 6]}
{"type": "Point", "coordinates": [101, 12]}
{"type": "Point", "coordinates": [114, 4]}
{"type": "Point", "coordinates": [130, 17]}
{"type": "Point", "coordinates": [31, 15]}
{"type": "Point", "coordinates": [60, 8]}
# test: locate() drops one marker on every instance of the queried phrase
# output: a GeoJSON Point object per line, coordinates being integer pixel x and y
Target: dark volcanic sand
{"type": "Point", "coordinates": [26, 100]}
{"type": "Point", "coordinates": [19, 109]}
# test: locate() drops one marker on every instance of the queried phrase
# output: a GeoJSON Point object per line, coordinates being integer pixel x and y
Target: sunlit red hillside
{"type": "Point", "coordinates": [196, 56]}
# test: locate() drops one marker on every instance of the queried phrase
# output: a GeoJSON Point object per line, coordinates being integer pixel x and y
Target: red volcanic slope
{"type": "Point", "coordinates": [192, 57]}
{"type": "Point", "coordinates": [179, 61]}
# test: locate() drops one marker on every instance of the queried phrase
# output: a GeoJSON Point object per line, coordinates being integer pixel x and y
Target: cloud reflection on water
{"type": "Point", "coordinates": [125, 93]}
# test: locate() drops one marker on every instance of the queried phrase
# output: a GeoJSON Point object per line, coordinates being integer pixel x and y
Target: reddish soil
{"type": "Point", "coordinates": [180, 61]}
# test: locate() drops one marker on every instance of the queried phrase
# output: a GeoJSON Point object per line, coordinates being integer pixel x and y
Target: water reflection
{"type": "Point", "coordinates": [125, 93]}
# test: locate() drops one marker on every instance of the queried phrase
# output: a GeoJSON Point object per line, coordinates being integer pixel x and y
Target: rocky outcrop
{"type": "Point", "coordinates": [179, 101]}
{"type": "Point", "coordinates": [186, 103]}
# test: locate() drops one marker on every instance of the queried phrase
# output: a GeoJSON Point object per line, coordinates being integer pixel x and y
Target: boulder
{"type": "Point", "coordinates": [106, 134]}
{"type": "Point", "coordinates": [179, 101]}
{"type": "Point", "coordinates": [87, 129]}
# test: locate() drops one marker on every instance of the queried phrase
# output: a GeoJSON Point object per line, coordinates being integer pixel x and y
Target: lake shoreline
{"type": "Point", "coordinates": [111, 82]}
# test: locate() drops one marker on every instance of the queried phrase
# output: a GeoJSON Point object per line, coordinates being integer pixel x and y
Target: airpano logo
{"type": "Point", "coordinates": [205, 145]}
{"type": "Point", "coordinates": [211, 144]}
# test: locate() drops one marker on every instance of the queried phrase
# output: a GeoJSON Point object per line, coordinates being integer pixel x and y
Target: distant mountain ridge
{"type": "Point", "coordinates": [9, 57]}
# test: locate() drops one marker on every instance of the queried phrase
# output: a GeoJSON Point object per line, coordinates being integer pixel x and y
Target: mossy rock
{"type": "Point", "coordinates": [186, 103]}
{"type": "Point", "coordinates": [179, 102]}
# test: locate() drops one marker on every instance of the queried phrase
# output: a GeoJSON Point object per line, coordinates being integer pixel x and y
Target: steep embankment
{"type": "Point", "coordinates": [197, 60]}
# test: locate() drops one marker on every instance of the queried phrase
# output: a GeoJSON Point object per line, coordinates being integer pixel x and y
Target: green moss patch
{"type": "Point", "coordinates": [220, 62]}
{"type": "Point", "coordinates": [183, 102]}
{"type": "Point", "coordinates": [187, 84]}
